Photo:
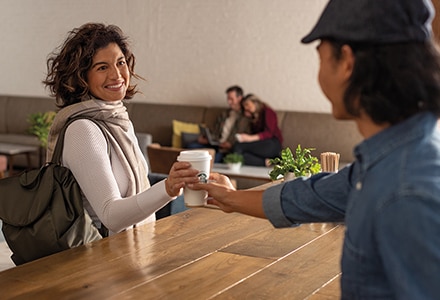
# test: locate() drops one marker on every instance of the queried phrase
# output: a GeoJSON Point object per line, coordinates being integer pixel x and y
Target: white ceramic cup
{"type": "Point", "coordinates": [200, 160]}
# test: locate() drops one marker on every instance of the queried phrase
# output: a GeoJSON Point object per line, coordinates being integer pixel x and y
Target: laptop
{"type": "Point", "coordinates": [205, 132]}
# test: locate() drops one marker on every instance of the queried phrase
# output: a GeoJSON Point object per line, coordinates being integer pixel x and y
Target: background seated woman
{"type": "Point", "coordinates": [266, 139]}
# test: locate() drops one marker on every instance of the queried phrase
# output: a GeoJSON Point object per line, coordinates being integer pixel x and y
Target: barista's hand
{"type": "Point", "coordinates": [221, 180]}
{"type": "Point", "coordinates": [224, 195]}
{"type": "Point", "coordinates": [218, 187]}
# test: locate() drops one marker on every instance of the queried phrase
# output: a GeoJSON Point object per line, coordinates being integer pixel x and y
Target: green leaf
{"type": "Point", "coordinates": [233, 158]}
{"type": "Point", "coordinates": [40, 125]}
{"type": "Point", "coordinates": [302, 164]}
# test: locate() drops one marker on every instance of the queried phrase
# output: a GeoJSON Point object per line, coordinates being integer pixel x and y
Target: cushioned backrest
{"type": "Point", "coordinates": [18, 110]}
{"type": "Point", "coordinates": [144, 139]}
{"type": "Point", "coordinates": [280, 118]}
{"type": "Point", "coordinates": [211, 115]}
{"type": "Point", "coordinates": [322, 132]}
{"type": "Point", "coordinates": [156, 119]}
{"type": "Point", "coordinates": [3, 113]}
{"type": "Point", "coordinates": [162, 158]}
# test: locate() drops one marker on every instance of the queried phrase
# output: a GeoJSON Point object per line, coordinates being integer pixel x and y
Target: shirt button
{"type": "Point", "coordinates": [359, 185]}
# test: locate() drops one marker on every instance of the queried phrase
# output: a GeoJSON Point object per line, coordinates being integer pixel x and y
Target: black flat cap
{"type": "Point", "coordinates": [374, 21]}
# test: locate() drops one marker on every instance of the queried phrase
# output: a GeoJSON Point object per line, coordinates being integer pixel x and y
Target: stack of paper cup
{"type": "Point", "coordinates": [199, 160]}
{"type": "Point", "coordinates": [330, 162]}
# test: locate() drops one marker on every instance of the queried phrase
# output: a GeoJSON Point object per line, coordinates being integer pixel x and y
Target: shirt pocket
{"type": "Point", "coordinates": [354, 269]}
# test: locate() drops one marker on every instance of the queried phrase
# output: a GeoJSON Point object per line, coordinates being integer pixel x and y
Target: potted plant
{"type": "Point", "coordinates": [302, 164]}
{"type": "Point", "coordinates": [234, 161]}
{"type": "Point", "coordinates": [40, 125]}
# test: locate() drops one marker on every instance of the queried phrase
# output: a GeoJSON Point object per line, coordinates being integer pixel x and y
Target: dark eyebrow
{"type": "Point", "coordinates": [98, 63]}
{"type": "Point", "coordinates": [104, 63]}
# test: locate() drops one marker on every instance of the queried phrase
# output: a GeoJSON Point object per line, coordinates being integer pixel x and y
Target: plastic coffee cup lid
{"type": "Point", "coordinates": [194, 155]}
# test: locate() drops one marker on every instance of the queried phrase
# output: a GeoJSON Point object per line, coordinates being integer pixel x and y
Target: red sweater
{"type": "Point", "coordinates": [267, 125]}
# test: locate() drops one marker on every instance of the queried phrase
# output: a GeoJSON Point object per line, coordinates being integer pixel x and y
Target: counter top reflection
{"type": "Point", "coordinates": [201, 253]}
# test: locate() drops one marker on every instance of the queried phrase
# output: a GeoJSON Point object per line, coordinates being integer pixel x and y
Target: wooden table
{"type": "Point", "coordinates": [201, 253]}
{"type": "Point", "coordinates": [11, 150]}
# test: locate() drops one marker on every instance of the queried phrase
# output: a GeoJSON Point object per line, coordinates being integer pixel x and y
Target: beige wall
{"type": "Point", "coordinates": [189, 50]}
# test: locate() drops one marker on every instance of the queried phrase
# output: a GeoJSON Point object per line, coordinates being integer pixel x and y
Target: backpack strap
{"type": "Point", "coordinates": [57, 153]}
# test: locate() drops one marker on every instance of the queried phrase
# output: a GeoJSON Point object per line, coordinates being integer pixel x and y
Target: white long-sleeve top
{"type": "Point", "coordinates": [104, 182]}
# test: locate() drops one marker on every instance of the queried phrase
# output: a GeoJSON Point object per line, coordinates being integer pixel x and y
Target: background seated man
{"type": "Point", "coordinates": [230, 122]}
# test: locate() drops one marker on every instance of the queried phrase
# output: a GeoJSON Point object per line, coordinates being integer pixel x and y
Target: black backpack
{"type": "Point", "coordinates": [42, 210]}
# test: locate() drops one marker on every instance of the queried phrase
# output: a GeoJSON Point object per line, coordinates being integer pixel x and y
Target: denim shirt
{"type": "Point", "coordinates": [389, 199]}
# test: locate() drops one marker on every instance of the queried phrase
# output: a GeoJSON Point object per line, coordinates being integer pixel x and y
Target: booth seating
{"type": "Point", "coordinates": [309, 129]}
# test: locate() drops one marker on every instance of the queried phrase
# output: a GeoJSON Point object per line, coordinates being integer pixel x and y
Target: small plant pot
{"type": "Point", "coordinates": [289, 176]}
{"type": "Point", "coordinates": [235, 167]}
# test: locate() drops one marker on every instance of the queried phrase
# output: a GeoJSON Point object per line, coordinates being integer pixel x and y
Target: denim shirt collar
{"type": "Point", "coordinates": [373, 149]}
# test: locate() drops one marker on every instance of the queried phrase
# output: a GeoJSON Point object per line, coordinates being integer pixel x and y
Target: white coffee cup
{"type": "Point", "coordinates": [200, 160]}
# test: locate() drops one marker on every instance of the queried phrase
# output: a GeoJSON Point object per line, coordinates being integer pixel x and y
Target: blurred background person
{"type": "Point", "coordinates": [228, 124]}
{"type": "Point", "coordinates": [265, 140]}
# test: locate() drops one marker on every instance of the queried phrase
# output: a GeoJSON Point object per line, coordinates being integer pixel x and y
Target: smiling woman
{"type": "Point", "coordinates": [109, 76]}
{"type": "Point", "coordinates": [68, 70]}
{"type": "Point", "coordinates": [90, 76]}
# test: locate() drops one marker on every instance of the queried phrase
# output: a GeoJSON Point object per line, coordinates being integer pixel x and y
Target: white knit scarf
{"type": "Point", "coordinates": [114, 117]}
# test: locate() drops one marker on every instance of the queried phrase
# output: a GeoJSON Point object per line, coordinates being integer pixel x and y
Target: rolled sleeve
{"type": "Point", "coordinates": [320, 198]}
{"type": "Point", "coordinates": [272, 207]}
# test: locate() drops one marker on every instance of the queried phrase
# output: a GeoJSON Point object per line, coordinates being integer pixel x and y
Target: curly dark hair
{"type": "Point", "coordinates": [68, 65]}
{"type": "Point", "coordinates": [394, 81]}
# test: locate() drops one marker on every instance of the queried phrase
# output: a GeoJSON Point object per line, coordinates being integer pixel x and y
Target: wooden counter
{"type": "Point", "coordinates": [201, 253]}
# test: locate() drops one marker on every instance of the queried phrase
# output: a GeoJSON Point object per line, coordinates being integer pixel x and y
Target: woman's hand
{"type": "Point", "coordinates": [180, 174]}
{"type": "Point", "coordinates": [246, 138]}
